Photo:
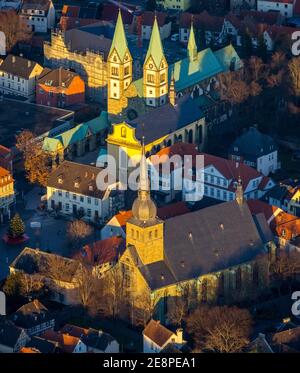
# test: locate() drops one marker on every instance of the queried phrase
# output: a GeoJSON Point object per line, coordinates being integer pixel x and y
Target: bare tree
{"type": "Point", "coordinates": [84, 281]}
{"type": "Point", "coordinates": [31, 283]}
{"type": "Point", "coordinates": [220, 329]}
{"type": "Point", "coordinates": [176, 310]}
{"type": "Point", "coordinates": [285, 269]}
{"type": "Point", "coordinates": [77, 231]}
{"type": "Point", "coordinates": [294, 76]}
{"type": "Point", "coordinates": [14, 28]}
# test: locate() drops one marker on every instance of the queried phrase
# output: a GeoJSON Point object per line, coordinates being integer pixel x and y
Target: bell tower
{"type": "Point", "coordinates": [145, 231]}
{"type": "Point", "coordinates": [119, 70]}
{"type": "Point", "coordinates": [155, 74]}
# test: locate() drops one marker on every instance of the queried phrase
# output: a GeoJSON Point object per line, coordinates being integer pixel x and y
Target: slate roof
{"type": "Point", "coordinates": [76, 178]}
{"type": "Point", "coordinates": [42, 345]}
{"type": "Point", "coordinates": [253, 144]}
{"type": "Point", "coordinates": [90, 337]}
{"type": "Point", "coordinates": [9, 333]}
{"type": "Point", "coordinates": [208, 240]}
{"type": "Point", "coordinates": [31, 314]}
{"type": "Point", "coordinates": [172, 117]}
{"type": "Point", "coordinates": [158, 333]}
{"type": "Point", "coordinates": [22, 67]}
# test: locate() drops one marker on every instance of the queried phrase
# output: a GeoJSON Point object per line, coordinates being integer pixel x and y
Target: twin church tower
{"type": "Point", "coordinates": [153, 88]}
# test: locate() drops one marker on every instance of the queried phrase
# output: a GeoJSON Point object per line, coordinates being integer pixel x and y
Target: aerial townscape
{"type": "Point", "coordinates": [149, 176]}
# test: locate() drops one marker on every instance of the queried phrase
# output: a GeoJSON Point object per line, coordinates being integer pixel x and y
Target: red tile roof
{"type": "Point", "coordinates": [70, 11]}
{"type": "Point", "coordinates": [158, 333]}
{"type": "Point", "coordinates": [164, 213]}
{"type": "Point", "coordinates": [203, 20]}
{"type": "Point", "coordinates": [278, 220]}
{"type": "Point", "coordinates": [110, 13]}
{"type": "Point", "coordinates": [66, 342]}
{"type": "Point", "coordinates": [148, 18]}
{"type": "Point", "coordinates": [103, 251]}
{"type": "Point", "coordinates": [230, 169]}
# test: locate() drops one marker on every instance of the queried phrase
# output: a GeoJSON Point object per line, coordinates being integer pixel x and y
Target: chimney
{"type": "Point", "coordinates": [13, 59]}
{"type": "Point", "coordinates": [29, 63]}
{"type": "Point", "coordinates": [239, 194]}
{"type": "Point", "coordinates": [179, 335]}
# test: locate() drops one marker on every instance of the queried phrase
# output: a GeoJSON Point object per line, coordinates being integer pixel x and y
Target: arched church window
{"type": "Point", "coordinates": [155, 233]}
{"type": "Point", "coordinates": [123, 131]}
{"type": "Point", "coordinates": [114, 71]}
{"type": "Point", "coordinates": [150, 78]}
{"type": "Point", "coordinates": [150, 235]}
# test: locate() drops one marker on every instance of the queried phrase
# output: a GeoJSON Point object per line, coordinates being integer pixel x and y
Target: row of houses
{"type": "Point", "coordinates": [35, 329]}
{"type": "Point", "coordinates": [268, 27]}
{"type": "Point", "coordinates": [27, 79]}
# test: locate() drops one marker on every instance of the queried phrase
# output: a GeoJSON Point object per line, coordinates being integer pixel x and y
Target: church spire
{"type": "Point", "coordinates": [144, 181]}
{"type": "Point", "coordinates": [239, 194]}
{"type": "Point", "coordinates": [155, 49]}
{"type": "Point", "coordinates": [192, 46]}
{"type": "Point", "coordinates": [119, 42]}
{"type": "Point", "coordinates": [143, 208]}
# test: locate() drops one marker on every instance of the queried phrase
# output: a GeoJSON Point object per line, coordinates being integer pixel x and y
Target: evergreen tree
{"type": "Point", "coordinates": [262, 50]}
{"type": "Point", "coordinates": [16, 227]}
{"type": "Point", "coordinates": [247, 44]}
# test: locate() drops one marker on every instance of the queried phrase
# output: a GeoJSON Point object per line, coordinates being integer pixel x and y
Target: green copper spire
{"type": "Point", "coordinates": [192, 46]}
{"type": "Point", "coordinates": [119, 42]}
{"type": "Point", "coordinates": [155, 49]}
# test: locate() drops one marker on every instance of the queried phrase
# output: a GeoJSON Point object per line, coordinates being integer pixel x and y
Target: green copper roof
{"type": "Point", "coordinates": [98, 124]}
{"type": "Point", "coordinates": [192, 46]}
{"type": "Point", "coordinates": [207, 64]}
{"type": "Point", "coordinates": [229, 58]}
{"type": "Point", "coordinates": [77, 133]}
{"type": "Point", "coordinates": [155, 49]}
{"type": "Point", "coordinates": [50, 144]}
{"type": "Point", "coordinates": [119, 40]}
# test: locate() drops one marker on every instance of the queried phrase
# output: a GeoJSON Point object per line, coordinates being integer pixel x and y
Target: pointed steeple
{"type": "Point", "coordinates": [192, 46]}
{"type": "Point", "coordinates": [155, 49]}
{"type": "Point", "coordinates": [172, 93]}
{"type": "Point", "coordinates": [239, 194]}
{"type": "Point", "coordinates": [144, 181]}
{"type": "Point", "coordinates": [119, 42]}
{"type": "Point", "coordinates": [143, 208]}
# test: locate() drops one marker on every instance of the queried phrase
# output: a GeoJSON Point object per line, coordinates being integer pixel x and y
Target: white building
{"type": "Point", "coordinates": [175, 4]}
{"type": "Point", "coordinates": [18, 76]}
{"type": "Point", "coordinates": [257, 150]}
{"type": "Point", "coordinates": [209, 176]}
{"type": "Point", "coordinates": [156, 337]}
{"type": "Point", "coordinates": [285, 7]}
{"type": "Point", "coordinates": [38, 14]}
{"type": "Point", "coordinates": [72, 190]}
